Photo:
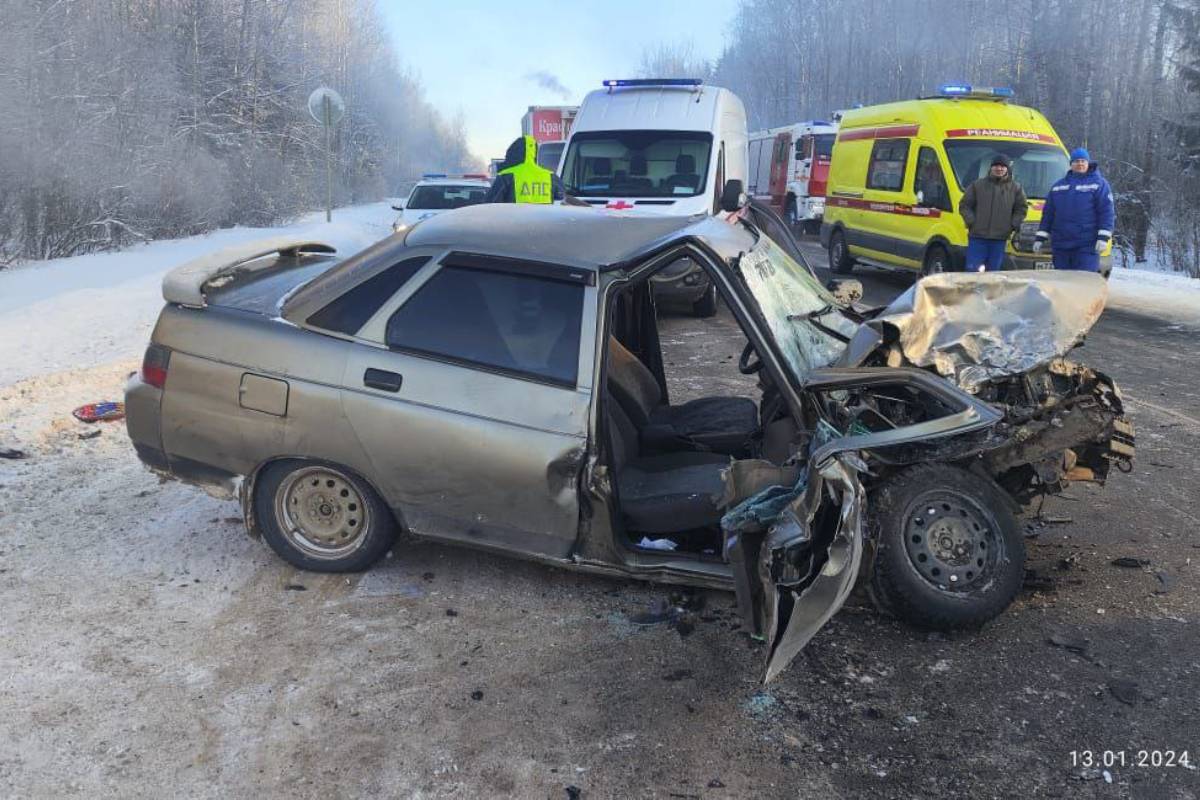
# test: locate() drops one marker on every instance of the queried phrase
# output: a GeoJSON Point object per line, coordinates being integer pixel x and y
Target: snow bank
{"type": "Point", "coordinates": [1169, 296]}
{"type": "Point", "coordinates": [77, 312]}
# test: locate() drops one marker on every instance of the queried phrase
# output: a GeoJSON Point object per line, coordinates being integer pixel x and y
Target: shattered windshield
{"type": "Point", "coordinates": [803, 316]}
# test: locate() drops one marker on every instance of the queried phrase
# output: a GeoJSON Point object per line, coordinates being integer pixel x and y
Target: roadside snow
{"type": "Point", "coordinates": [78, 312]}
{"type": "Point", "coordinates": [1169, 296]}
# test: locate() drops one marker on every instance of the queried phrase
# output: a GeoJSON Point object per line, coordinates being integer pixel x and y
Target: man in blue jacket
{"type": "Point", "coordinates": [1078, 216]}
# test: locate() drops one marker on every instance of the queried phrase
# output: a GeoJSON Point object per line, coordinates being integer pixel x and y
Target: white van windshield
{"type": "Point", "coordinates": [637, 163]}
{"type": "Point", "coordinates": [1035, 166]}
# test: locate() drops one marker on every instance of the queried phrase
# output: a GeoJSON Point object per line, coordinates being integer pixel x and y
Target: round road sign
{"type": "Point", "coordinates": [326, 106]}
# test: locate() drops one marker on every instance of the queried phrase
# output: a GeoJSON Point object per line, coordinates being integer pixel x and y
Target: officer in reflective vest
{"type": "Point", "coordinates": [520, 179]}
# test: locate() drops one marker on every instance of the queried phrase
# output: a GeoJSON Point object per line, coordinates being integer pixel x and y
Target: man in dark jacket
{"type": "Point", "coordinates": [993, 207]}
{"type": "Point", "coordinates": [519, 179]}
{"type": "Point", "coordinates": [1078, 216]}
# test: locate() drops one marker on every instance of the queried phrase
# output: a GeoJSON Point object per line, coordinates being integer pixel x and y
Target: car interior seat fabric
{"type": "Point", "coordinates": [685, 172]}
{"type": "Point", "coordinates": [664, 493]}
{"type": "Point", "coordinates": [721, 424]}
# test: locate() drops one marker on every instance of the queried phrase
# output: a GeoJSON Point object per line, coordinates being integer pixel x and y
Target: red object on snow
{"type": "Point", "coordinates": [100, 412]}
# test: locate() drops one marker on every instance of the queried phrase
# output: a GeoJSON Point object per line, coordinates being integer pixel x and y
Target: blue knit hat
{"type": "Point", "coordinates": [1080, 152]}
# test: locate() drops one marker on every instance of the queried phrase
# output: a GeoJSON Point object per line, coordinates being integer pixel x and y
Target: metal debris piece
{"type": "Point", "coordinates": [1074, 644]}
{"type": "Point", "coordinates": [1125, 691]}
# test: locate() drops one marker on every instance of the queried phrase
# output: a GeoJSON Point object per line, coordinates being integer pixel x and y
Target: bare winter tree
{"type": "Point", "coordinates": [135, 119]}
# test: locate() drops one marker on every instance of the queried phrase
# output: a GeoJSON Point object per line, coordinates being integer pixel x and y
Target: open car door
{"type": "Point", "coordinates": [794, 536]}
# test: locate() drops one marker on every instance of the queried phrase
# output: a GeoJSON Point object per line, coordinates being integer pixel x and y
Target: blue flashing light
{"type": "Point", "coordinates": [967, 90]}
{"type": "Point", "coordinates": [429, 175]}
{"type": "Point", "coordinates": [954, 89]}
{"type": "Point", "coordinates": [613, 84]}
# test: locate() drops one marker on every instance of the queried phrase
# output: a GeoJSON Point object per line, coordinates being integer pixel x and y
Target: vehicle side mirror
{"type": "Point", "coordinates": [847, 291]}
{"type": "Point", "coordinates": [397, 206]}
{"type": "Point", "coordinates": [733, 196]}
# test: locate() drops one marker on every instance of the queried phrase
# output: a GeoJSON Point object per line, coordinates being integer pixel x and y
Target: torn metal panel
{"type": "Point", "coordinates": [977, 327]}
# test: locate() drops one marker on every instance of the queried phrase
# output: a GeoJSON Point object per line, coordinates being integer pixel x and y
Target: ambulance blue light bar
{"type": "Point", "coordinates": [429, 175]}
{"type": "Point", "coordinates": [967, 90]}
{"type": "Point", "coordinates": [613, 84]}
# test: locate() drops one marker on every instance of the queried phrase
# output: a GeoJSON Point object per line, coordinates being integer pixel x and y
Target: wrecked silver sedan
{"type": "Point", "coordinates": [494, 377]}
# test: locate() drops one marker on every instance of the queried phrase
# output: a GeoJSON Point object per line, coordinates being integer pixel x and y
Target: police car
{"type": "Point", "coordinates": [437, 192]}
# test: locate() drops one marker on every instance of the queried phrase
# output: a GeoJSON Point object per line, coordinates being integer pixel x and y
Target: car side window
{"type": "Point", "coordinates": [889, 157]}
{"type": "Point", "coordinates": [931, 181]}
{"type": "Point", "coordinates": [351, 310]}
{"type": "Point", "coordinates": [505, 321]}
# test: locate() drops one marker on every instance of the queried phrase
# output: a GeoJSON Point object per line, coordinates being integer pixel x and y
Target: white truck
{"type": "Point", "coordinates": [549, 126]}
{"type": "Point", "coordinates": [789, 168]}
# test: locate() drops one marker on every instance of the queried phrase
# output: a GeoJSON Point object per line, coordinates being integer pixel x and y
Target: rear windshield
{"type": "Point", "coordinates": [444, 197]}
{"type": "Point", "coordinates": [1035, 166]}
{"type": "Point", "coordinates": [637, 163]}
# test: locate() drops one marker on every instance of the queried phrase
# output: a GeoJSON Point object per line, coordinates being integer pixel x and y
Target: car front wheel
{"type": "Point", "coordinates": [949, 551]}
{"type": "Point", "coordinates": [321, 517]}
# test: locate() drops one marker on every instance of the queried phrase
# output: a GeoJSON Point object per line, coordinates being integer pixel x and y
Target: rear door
{"type": "Point", "coordinates": [473, 405]}
{"type": "Point", "coordinates": [780, 164]}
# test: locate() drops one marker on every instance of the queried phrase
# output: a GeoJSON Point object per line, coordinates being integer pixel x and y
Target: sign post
{"type": "Point", "coordinates": [326, 107]}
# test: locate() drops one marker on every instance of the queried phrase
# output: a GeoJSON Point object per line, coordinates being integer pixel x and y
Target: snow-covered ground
{"type": "Point", "coordinates": [1168, 295]}
{"type": "Point", "coordinates": [77, 312]}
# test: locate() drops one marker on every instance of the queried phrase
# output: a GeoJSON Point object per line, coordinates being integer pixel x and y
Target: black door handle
{"type": "Point", "coordinates": [382, 379]}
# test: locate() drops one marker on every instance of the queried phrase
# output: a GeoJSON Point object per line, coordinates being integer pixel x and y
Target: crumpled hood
{"type": "Point", "coordinates": [976, 327]}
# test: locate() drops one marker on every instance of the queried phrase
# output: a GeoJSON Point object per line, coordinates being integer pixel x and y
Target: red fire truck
{"type": "Point", "coordinates": [788, 168]}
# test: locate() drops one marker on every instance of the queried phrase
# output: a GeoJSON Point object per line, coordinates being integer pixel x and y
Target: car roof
{"type": "Point", "coordinates": [573, 236]}
{"type": "Point", "coordinates": [453, 182]}
{"type": "Point", "coordinates": [568, 236]}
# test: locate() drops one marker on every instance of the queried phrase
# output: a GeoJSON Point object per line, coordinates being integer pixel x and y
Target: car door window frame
{"type": "Point", "coordinates": [944, 205]}
{"type": "Point", "coordinates": [459, 260]}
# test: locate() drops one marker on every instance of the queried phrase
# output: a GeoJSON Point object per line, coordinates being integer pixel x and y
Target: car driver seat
{"type": "Point", "coordinates": [719, 424]}
{"type": "Point", "coordinates": [685, 173]}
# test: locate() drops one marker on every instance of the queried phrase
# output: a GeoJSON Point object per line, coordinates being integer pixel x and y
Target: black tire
{"type": "Point", "coordinates": [979, 558]}
{"type": "Point", "coordinates": [937, 261]}
{"type": "Point", "coordinates": [347, 527]}
{"type": "Point", "coordinates": [706, 306]}
{"type": "Point", "coordinates": [840, 260]}
{"type": "Point", "coordinates": [812, 227]}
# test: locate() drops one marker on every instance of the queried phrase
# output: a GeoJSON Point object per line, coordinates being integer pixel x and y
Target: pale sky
{"type": "Point", "coordinates": [480, 57]}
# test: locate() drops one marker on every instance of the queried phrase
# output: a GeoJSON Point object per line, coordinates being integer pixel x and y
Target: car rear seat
{"type": "Point", "coordinates": [666, 493]}
{"type": "Point", "coordinates": [721, 424]}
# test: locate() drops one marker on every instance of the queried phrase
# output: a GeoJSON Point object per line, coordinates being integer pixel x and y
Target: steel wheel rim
{"type": "Point", "coordinates": [936, 265]}
{"type": "Point", "coordinates": [837, 250]}
{"type": "Point", "coordinates": [321, 513]}
{"type": "Point", "coordinates": [952, 542]}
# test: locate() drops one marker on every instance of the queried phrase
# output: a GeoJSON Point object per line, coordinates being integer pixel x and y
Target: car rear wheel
{"type": "Point", "coordinates": [706, 306]}
{"type": "Point", "coordinates": [949, 551]}
{"type": "Point", "coordinates": [321, 517]}
{"type": "Point", "coordinates": [937, 261]}
{"type": "Point", "coordinates": [840, 260]}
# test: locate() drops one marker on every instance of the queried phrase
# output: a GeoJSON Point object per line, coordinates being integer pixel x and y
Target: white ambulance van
{"type": "Point", "coordinates": [659, 146]}
{"type": "Point", "coordinates": [656, 146]}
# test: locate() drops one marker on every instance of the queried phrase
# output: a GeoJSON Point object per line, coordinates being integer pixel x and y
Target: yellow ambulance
{"type": "Point", "coordinates": [899, 170]}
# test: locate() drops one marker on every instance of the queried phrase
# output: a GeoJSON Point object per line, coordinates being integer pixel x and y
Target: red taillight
{"type": "Point", "coordinates": [154, 365]}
